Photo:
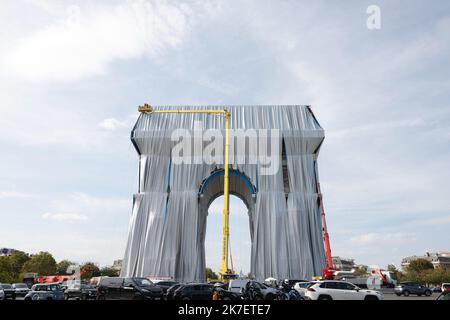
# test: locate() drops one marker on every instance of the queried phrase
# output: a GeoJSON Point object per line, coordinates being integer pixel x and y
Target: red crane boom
{"type": "Point", "coordinates": [328, 271]}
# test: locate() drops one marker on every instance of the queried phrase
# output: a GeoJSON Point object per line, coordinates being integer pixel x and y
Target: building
{"type": "Point", "coordinates": [117, 265]}
{"type": "Point", "coordinates": [273, 169]}
{"type": "Point", "coordinates": [438, 259]}
{"type": "Point", "coordinates": [343, 264]}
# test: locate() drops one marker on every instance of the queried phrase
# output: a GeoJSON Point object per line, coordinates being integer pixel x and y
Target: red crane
{"type": "Point", "coordinates": [328, 272]}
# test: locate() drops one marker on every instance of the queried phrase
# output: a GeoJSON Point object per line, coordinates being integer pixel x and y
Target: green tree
{"type": "Point", "coordinates": [413, 276]}
{"type": "Point", "coordinates": [7, 277]}
{"type": "Point", "coordinates": [6, 273]}
{"type": "Point", "coordinates": [42, 263]}
{"type": "Point", "coordinates": [11, 266]}
{"type": "Point", "coordinates": [17, 260]}
{"type": "Point", "coordinates": [109, 272]}
{"type": "Point", "coordinates": [436, 276]}
{"type": "Point", "coordinates": [420, 265]}
{"type": "Point", "coordinates": [89, 270]}
{"type": "Point", "coordinates": [400, 276]}
{"type": "Point", "coordinates": [63, 266]}
{"type": "Point", "coordinates": [211, 274]}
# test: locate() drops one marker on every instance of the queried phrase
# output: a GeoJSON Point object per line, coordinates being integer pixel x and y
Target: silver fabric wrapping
{"type": "Point", "coordinates": [169, 217]}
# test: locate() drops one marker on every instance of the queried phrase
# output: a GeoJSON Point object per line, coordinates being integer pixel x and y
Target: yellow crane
{"type": "Point", "coordinates": [225, 272]}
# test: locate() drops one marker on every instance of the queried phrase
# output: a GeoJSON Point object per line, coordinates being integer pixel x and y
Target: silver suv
{"type": "Point", "coordinates": [45, 291]}
{"type": "Point", "coordinates": [407, 288]}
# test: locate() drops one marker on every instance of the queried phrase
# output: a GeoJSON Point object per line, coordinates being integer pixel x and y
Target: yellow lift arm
{"type": "Point", "coordinates": [225, 272]}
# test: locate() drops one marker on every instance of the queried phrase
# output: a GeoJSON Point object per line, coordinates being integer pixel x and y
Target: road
{"type": "Point", "coordinates": [390, 295]}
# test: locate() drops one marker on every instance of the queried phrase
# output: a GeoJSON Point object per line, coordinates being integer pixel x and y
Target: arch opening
{"type": "Point", "coordinates": [242, 201]}
{"type": "Point", "coordinates": [240, 240]}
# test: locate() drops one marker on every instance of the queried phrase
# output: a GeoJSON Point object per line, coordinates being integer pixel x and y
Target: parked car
{"type": "Point", "coordinates": [259, 290]}
{"type": "Point", "coordinates": [407, 288]}
{"type": "Point", "coordinates": [228, 295]}
{"type": "Point", "coordinates": [2, 294]}
{"type": "Point", "coordinates": [194, 291]}
{"type": "Point", "coordinates": [21, 289]}
{"type": "Point", "coordinates": [445, 295]}
{"type": "Point", "coordinates": [171, 290]}
{"type": "Point", "coordinates": [165, 284]}
{"type": "Point", "coordinates": [340, 290]}
{"type": "Point", "coordinates": [64, 285]}
{"type": "Point", "coordinates": [80, 291]}
{"type": "Point", "coordinates": [437, 289]}
{"type": "Point", "coordinates": [301, 287]}
{"type": "Point", "coordinates": [268, 293]}
{"type": "Point", "coordinates": [119, 288]}
{"type": "Point", "coordinates": [9, 291]}
{"type": "Point", "coordinates": [292, 283]}
{"type": "Point", "coordinates": [45, 291]}
{"type": "Point", "coordinates": [219, 284]}
{"type": "Point", "coordinates": [237, 285]}
{"type": "Point", "coordinates": [445, 287]}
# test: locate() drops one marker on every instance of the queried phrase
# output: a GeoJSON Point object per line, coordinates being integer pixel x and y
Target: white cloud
{"type": "Point", "coordinates": [111, 124]}
{"type": "Point", "coordinates": [380, 240]}
{"type": "Point", "coordinates": [438, 221]}
{"type": "Point", "coordinates": [92, 206]}
{"type": "Point", "coordinates": [86, 40]}
{"type": "Point", "coordinates": [375, 248]}
{"type": "Point", "coordinates": [14, 194]}
{"type": "Point", "coordinates": [377, 128]}
{"type": "Point", "coordinates": [64, 217]}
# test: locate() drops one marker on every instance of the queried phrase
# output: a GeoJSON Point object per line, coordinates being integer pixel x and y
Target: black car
{"type": "Point", "coordinates": [194, 291]}
{"type": "Point", "coordinates": [10, 292]}
{"type": "Point", "coordinates": [80, 291]}
{"type": "Point", "coordinates": [227, 295]}
{"type": "Point", "coordinates": [21, 289]}
{"type": "Point", "coordinates": [118, 288]}
{"type": "Point", "coordinates": [407, 288]}
{"type": "Point", "coordinates": [170, 292]}
{"type": "Point", "coordinates": [165, 284]}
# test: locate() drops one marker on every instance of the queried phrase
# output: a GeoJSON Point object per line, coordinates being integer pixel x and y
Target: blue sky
{"type": "Point", "coordinates": [73, 72]}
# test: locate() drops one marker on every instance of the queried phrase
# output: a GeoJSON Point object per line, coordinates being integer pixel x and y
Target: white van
{"type": "Point", "coordinates": [237, 285]}
{"type": "Point", "coordinates": [267, 293]}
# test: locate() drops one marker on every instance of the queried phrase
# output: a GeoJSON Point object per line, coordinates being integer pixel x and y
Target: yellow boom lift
{"type": "Point", "coordinates": [225, 272]}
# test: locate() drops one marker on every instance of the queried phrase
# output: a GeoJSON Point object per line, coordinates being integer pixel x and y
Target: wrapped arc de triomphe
{"type": "Point", "coordinates": [273, 170]}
